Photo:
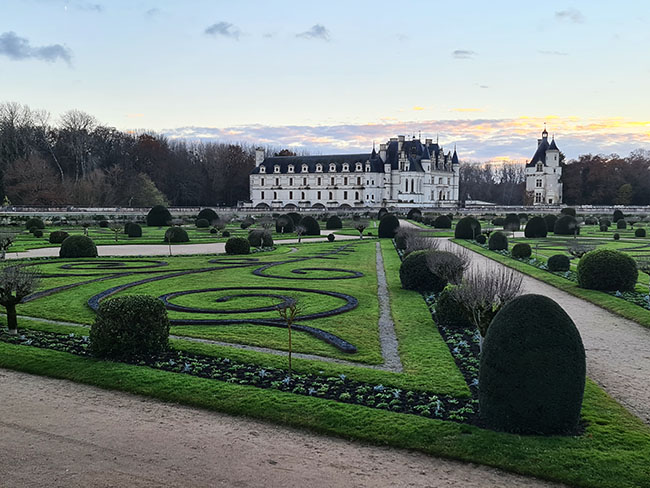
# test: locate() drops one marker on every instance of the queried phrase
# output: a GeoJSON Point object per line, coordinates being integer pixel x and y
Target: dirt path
{"type": "Point", "coordinates": [60, 434]}
{"type": "Point", "coordinates": [618, 350]}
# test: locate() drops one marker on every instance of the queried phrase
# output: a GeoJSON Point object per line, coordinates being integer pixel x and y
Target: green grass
{"type": "Point", "coordinates": [612, 452]}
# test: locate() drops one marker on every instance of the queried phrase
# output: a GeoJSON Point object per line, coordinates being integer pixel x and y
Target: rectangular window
{"type": "Point", "coordinates": [319, 182]}
{"type": "Point", "coordinates": [345, 180]}
{"type": "Point", "coordinates": [262, 196]}
{"type": "Point", "coordinates": [331, 196]}
{"type": "Point", "coordinates": [345, 195]}
{"type": "Point", "coordinates": [277, 182]}
{"type": "Point", "coordinates": [304, 181]}
{"type": "Point", "coordinates": [319, 195]}
{"type": "Point", "coordinates": [359, 181]}
{"type": "Point", "coordinates": [538, 183]}
{"type": "Point", "coordinates": [290, 195]}
{"type": "Point", "coordinates": [332, 181]}
{"type": "Point", "coordinates": [262, 182]}
{"type": "Point", "coordinates": [303, 195]}
{"type": "Point", "coordinates": [290, 181]}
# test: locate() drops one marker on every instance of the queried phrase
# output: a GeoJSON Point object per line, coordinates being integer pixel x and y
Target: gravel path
{"type": "Point", "coordinates": [387, 336]}
{"type": "Point", "coordinates": [61, 434]}
{"type": "Point", "coordinates": [618, 350]}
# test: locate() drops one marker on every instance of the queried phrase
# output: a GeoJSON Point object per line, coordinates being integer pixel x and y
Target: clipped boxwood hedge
{"type": "Point", "coordinates": [498, 241]}
{"type": "Point", "coordinates": [414, 214]}
{"type": "Point", "coordinates": [311, 225]}
{"type": "Point", "coordinates": [284, 224]}
{"type": "Point", "coordinates": [536, 228]}
{"type": "Point", "coordinates": [158, 216]}
{"type": "Point", "coordinates": [208, 214]}
{"type": "Point", "coordinates": [639, 233]}
{"type": "Point", "coordinates": [607, 270]}
{"type": "Point", "coordinates": [129, 327]}
{"type": "Point", "coordinates": [550, 220]}
{"type": "Point", "coordinates": [481, 239]}
{"type": "Point", "coordinates": [532, 369]}
{"type": "Point", "coordinates": [521, 250]}
{"type": "Point", "coordinates": [511, 222]}
{"type": "Point", "coordinates": [467, 228]}
{"type": "Point", "coordinates": [566, 225]}
{"type": "Point", "coordinates": [442, 222]}
{"type": "Point", "coordinates": [388, 226]}
{"type": "Point", "coordinates": [260, 238]}
{"type": "Point", "coordinates": [176, 234]}
{"type": "Point", "coordinates": [133, 230]}
{"type": "Point", "coordinates": [202, 223]}
{"type": "Point", "coordinates": [558, 262]}
{"type": "Point", "coordinates": [58, 236]}
{"type": "Point", "coordinates": [34, 223]}
{"type": "Point", "coordinates": [415, 275]}
{"type": "Point", "coordinates": [621, 224]}
{"type": "Point", "coordinates": [78, 247]}
{"type": "Point", "coordinates": [238, 245]}
{"type": "Point", "coordinates": [334, 222]}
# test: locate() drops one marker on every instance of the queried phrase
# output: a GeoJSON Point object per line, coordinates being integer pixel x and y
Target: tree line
{"type": "Point", "coordinates": [78, 161]}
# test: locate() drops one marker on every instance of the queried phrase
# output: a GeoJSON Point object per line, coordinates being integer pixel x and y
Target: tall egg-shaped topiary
{"type": "Point", "coordinates": [467, 228]}
{"type": "Point", "coordinates": [158, 216]}
{"type": "Point", "coordinates": [536, 227]}
{"type": "Point", "coordinates": [532, 369]}
{"type": "Point", "coordinates": [311, 225]}
{"type": "Point", "coordinates": [388, 226]}
{"type": "Point", "coordinates": [608, 270]}
{"type": "Point", "coordinates": [550, 220]}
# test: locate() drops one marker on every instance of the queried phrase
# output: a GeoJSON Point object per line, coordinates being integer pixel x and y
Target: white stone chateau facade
{"type": "Point", "coordinates": [544, 173]}
{"type": "Point", "coordinates": [402, 172]}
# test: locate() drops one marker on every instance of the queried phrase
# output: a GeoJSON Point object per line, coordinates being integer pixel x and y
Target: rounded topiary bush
{"type": "Point", "coordinates": [603, 228]}
{"type": "Point", "coordinates": [34, 223]}
{"type": "Point", "coordinates": [536, 227]}
{"type": "Point", "coordinates": [558, 262]}
{"type": "Point", "coordinates": [260, 238]}
{"type": "Point", "coordinates": [176, 234]}
{"type": "Point", "coordinates": [621, 224]}
{"type": "Point", "coordinates": [388, 226]}
{"type": "Point", "coordinates": [605, 222]}
{"type": "Point", "coordinates": [207, 214]}
{"type": "Point", "coordinates": [442, 222]}
{"type": "Point", "coordinates": [414, 214]}
{"type": "Point", "coordinates": [467, 228]}
{"type": "Point", "coordinates": [605, 269]}
{"type": "Point", "coordinates": [213, 230]}
{"type": "Point", "coordinates": [311, 225]}
{"type": "Point", "coordinates": [415, 275]}
{"type": "Point", "coordinates": [130, 327]}
{"type": "Point", "coordinates": [498, 241]}
{"type": "Point", "coordinates": [158, 216]}
{"type": "Point", "coordinates": [498, 221]}
{"type": "Point", "coordinates": [284, 223]}
{"type": "Point", "coordinates": [37, 232]}
{"type": "Point", "coordinates": [58, 236]}
{"type": "Point", "coordinates": [334, 222]}
{"type": "Point", "coordinates": [202, 223]}
{"type": "Point", "coordinates": [566, 225]}
{"type": "Point", "coordinates": [591, 220]}
{"type": "Point", "coordinates": [225, 233]}
{"type": "Point", "coordinates": [238, 245]}
{"type": "Point", "coordinates": [550, 222]}
{"type": "Point", "coordinates": [296, 217]}
{"type": "Point", "coordinates": [331, 237]}
{"type": "Point", "coordinates": [618, 215]}
{"type": "Point", "coordinates": [449, 312]}
{"type": "Point", "coordinates": [481, 239]}
{"type": "Point", "coordinates": [616, 236]}
{"type": "Point", "coordinates": [639, 233]}
{"type": "Point", "coordinates": [382, 211]}
{"type": "Point", "coordinates": [78, 247]}
{"type": "Point", "coordinates": [133, 230]}
{"type": "Point", "coordinates": [103, 223]}
{"type": "Point", "coordinates": [521, 250]}
{"type": "Point", "coordinates": [532, 369]}
{"type": "Point", "coordinates": [511, 222]}
{"type": "Point", "coordinates": [568, 211]}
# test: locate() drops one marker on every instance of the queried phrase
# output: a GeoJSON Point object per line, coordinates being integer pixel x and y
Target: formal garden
{"type": "Point", "coordinates": [390, 338]}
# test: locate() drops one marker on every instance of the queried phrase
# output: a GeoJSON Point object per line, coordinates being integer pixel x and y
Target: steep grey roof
{"type": "Point", "coordinates": [540, 154]}
{"type": "Point", "coordinates": [454, 158]}
{"type": "Point", "coordinates": [312, 161]}
{"type": "Point", "coordinates": [553, 145]}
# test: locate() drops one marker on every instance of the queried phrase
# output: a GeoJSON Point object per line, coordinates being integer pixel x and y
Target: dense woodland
{"type": "Point", "coordinates": [77, 161]}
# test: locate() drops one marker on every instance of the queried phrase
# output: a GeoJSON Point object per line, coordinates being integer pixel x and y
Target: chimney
{"type": "Point", "coordinates": [259, 156]}
{"type": "Point", "coordinates": [382, 152]}
{"type": "Point", "coordinates": [400, 143]}
{"type": "Point", "coordinates": [428, 142]}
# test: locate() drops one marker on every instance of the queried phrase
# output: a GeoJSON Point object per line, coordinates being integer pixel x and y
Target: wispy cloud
{"type": "Point", "coordinates": [402, 37]}
{"type": "Point", "coordinates": [224, 29]}
{"type": "Point", "coordinates": [463, 54]}
{"type": "Point", "coordinates": [553, 53]}
{"type": "Point", "coordinates": [570, 15]}
{"type": "Point", "coordinates": [19, 49]}
{"type": "Point", "coordinates": [153, 12]}
{"type": "Point", "coordinates": [317, 31]}
{"type": "Point", "coordinates": [476, 139]}
{"type": "Point", "coordinates": [467, 109]}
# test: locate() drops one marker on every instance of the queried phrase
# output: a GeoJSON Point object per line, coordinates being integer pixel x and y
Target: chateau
{"type": "Point", "coordinates": [402, 172]}
{"type": "Point", "coordinates": [544, 173]}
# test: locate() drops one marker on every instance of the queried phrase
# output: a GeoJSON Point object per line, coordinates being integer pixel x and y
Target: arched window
{"type": "Point", "coordinates": [302, 195]}
{"type": "Point", "coordinates": [276, 168]}
{"type": "Point", "coordinates": [358, 167]}
{"type": "Point", "coordinates": [412, 184]}
{"type": "Point", "coordinates": [367, 168]}
{"type": "Point", "coordinates": [331, 196]}
{"type": "Point", "coordinates": [291, 168]}
{"type": "Point", "coordinates": [540, 167]}
{"type": "Point", "coordinates": [262, 169]}
{"type": "Point", "coordinates": [319, 168]}
{"type": "Point", "coordinates": [332, 167]}
{"type": "Point", "coordinates": [356, 195]}
{"type": "Point", "coordinates": [346, 167]}
{"type": "Point", "coordinates": [275, 195]}
{"type": "Point", "coordinates": [305, 169]}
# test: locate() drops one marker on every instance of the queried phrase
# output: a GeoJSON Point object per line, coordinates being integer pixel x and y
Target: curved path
{"type": "Point", "coordinates": [61, 434]}
{"type": "Point", "coordinates": [618, 350]}
{"type": "Point", "coordinates": [159, 249]}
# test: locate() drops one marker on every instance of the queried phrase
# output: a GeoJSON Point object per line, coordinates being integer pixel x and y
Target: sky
{"type": "Point", "coordinates": [336, 76]}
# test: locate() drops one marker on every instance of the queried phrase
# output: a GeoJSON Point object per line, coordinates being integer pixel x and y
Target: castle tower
{"type": "Point", "coordinates": [544, 174]}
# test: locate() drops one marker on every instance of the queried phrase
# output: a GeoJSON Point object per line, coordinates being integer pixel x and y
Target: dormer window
{"type": "Point", "coordinates": [276, 168]}
{"type": "Point", "coordinates": [291, 168]}
{"type": "Point", "coordinates": [346, 167]}
{"type": "Point", "coordinates": [262, 169]}
{"type": "Point", "coordinates": [367, 168]}
{"type": "Point", "coordinates": [540, 167]}
{"type": "Point", "coordinates": [358, 167]}
{"type": "Point", "coordinates": [304, 168]}
{"type": "Point", "coordinates": [319, 168]}
{"type": "Point", "coordinates": [332, 167]}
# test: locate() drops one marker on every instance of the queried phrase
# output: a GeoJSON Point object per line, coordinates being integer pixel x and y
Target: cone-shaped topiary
{"type": "Point", "coordinates": [467, 228]}
{"type": "Point", "coordinates": [130, 327]}
{"type": "Point", "coordinates": [311, 225]}
{"type": "Point", "coordinates": [566, 225]}
{"type": "Point", "coordinates": [521, 250]}
{"type": "Point", "coordinates": [536, 227]}
{"type": "Point", "coordinates": [388, 226]}
{"type": "Point", "coordinates": [415, 275]}
{"type": "Point", "coordinates": [442, 222]}
{"type": "Point", "coordinates": [158, 216]}
{"type": "Point", "coordinates": [284, 224]}
{"type": "Point", "coordinates": [532, 369]}
{"type": "Point", "coordinates": [605, 269]}
{"type": "Point", "coordinates": [238, 245]}
{"type": "Point", "coordinates": [558, 262]}
{"type": "Point", "coordinates": [78, 247]}
{"type": "Point", "coordinates": [58, 236]}
{"type": "Point", "coordinates": [176, 234]}
{"type": "Point", "coordinates": [208, 214]}
{"type": "Point", "coordinates": [334, 222]}
{"type": "Point", "coordinates": [498, 241]}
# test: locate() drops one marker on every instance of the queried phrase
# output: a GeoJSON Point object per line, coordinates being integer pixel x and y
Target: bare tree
{"type": "Point", "coordinates": [15, 284]}
{"type": "Point", "coordinates": [579, 250]}
{"type": "Point", "coordinates": [361, 225]}
{"type": "Point", "coordinates": [288, 313]}
{"type": "Point", "coordinates": [300, 231]}
{"type": "Point", "coordinates": [6, 240]}
{"type": "Point", "coordinates": [450, 266]}
{"type": "Point", "coordinates": [485, 292]}
{"type": "Point", "coordinates": [116, 228]}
